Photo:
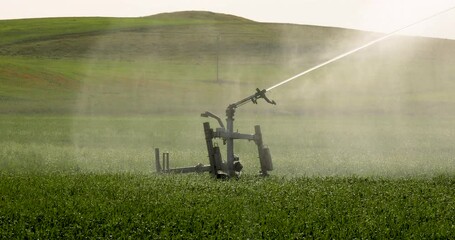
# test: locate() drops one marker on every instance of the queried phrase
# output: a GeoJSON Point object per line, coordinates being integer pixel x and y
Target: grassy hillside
{"type": "Point", "coordinates": [167, 63]}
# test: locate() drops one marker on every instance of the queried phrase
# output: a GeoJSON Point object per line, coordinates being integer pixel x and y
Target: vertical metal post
{"type": "Point", "coordinates": [258, 139]}
{"type": "Point", "coordinates": [229, 140]}
{"type": "Point", "coordinates": [208, 139]}
{"type": "Point", "coordinates": [164, 162]}
{"type": "Point", "coordinates": [260, 145]}
{"type": "Point", "coordinates": [167, 161]}
{"type": "Point", "coordinates": [157, 160]}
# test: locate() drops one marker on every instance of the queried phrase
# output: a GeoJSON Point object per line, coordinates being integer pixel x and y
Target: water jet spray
{"type": "Point", "coordinates": [358, 49]}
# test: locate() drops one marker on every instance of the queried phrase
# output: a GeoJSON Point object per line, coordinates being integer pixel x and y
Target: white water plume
{"type": "Point", "coordinates": [384, 111]}
{"type": "Point", "coordinates": [341, 56]}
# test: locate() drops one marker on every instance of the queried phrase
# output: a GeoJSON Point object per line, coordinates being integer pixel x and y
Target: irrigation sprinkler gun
{"type": "Point", "coordinates": [232, 167]}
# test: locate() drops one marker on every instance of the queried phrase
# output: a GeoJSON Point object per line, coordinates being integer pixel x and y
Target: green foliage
{"type": "Point", "coordinates": [301, 146]}
{"type": "Point", "coordinates": [195, 207]}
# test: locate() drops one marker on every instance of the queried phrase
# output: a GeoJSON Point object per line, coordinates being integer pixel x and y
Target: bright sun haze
{"type": "Point", "coordinates": [380, 16]}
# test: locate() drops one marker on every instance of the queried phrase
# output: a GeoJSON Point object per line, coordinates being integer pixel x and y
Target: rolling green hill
{"type": "Point", "coordinates": [167, 63]}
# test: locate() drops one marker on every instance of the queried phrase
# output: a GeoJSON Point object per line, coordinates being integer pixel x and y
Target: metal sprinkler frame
{"type": "Point", "coordinates": [232, 167]}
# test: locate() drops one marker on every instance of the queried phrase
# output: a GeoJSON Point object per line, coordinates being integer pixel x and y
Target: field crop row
{"type": "Point", "coordinates": [300, 145]}
{"type": "Point", "coordinates": [196, 206]}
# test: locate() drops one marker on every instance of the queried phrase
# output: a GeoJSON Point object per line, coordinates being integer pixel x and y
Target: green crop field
{"type": "Point", "coordinates": [362, 148]}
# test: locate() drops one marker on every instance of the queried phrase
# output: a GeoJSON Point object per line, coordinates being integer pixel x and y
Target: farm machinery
{"type": "Point", "coordinates": [231, 167]}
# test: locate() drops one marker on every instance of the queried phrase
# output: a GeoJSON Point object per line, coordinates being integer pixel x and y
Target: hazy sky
{"type": "Point", "coordinates": [373, 15]}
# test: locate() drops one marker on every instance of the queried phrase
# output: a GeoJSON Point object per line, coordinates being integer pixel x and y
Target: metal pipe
{"type": "Point", "coordinates": [197, 169]}
{"type": "Point", "coordinates": [229, 140]}
{"type": "Point", "coordinates": [157, 160]}
{"type": "Point", "coordinates": [167, 161]}
{"type": "Point", "coordinates": [164, 161]}
{"type": "Point", "coordinates": [209, 114]}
